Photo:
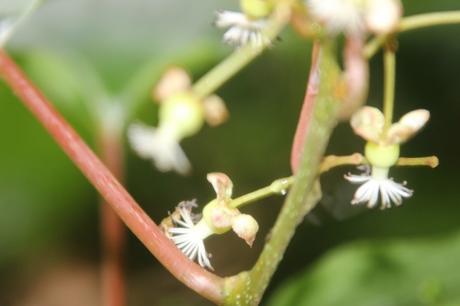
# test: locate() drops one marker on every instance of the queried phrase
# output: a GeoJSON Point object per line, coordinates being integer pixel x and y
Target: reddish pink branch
{"type": "Point", "coordinates": [203, 282]}
{"type": "Point", "coordinates": [112, 228]}
{"type": "Point", "coordinates": [307, 108]}
{"type": "Point", "coordinates": [356, 75]}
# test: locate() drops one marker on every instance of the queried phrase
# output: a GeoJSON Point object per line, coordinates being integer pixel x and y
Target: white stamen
{"type": "Point", "coordinates": [375, 184]}
{"type": "Point", "coordinates": [241, 30]}
{"type": "Point", "coordinates": [189, 237]}
{"type": "Point", "coordinates": [160, 146]}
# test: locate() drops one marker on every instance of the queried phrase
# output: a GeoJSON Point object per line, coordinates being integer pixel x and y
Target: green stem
{"type": "Point", "coordinates": [412, 23]}
{"type": "Point", "coordinates": [247, 288]}
{"type": "Point", "coordinates": [217, 76]}
{"type": "Point", "coordinates": [279, 186]}
{"type": "Point", "coordinates": [389, 61]}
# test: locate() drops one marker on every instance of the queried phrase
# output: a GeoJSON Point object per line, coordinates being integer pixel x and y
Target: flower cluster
{"type": "Point", "coordinates": [188, 231]}
{"type": "Point", "coordinates": [382, 152]}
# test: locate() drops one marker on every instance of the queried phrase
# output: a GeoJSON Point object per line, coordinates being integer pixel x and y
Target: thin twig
{"type": "Point", "coordinates": [412, 23]}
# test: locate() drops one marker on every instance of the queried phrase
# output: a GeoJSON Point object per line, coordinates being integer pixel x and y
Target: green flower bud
{"type": "Point", "coordinates": [183, 114]}
{"type": "Point", "coordinates": [382, 156]}
{"type": "Point", "coordinates": [256, 8]}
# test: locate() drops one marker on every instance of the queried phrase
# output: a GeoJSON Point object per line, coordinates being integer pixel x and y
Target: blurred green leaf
{"type": "Point", "coordinates": [70, 82]}
{"type": "Point", "coordinates": [385, 273]}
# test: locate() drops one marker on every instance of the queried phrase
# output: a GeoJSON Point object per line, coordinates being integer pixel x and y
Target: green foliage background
{"type": "Point", "coordinates": [340, 255]}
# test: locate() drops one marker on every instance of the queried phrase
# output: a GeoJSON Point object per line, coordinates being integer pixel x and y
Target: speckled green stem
{"type": "Point", "coordinates": [247, 288]}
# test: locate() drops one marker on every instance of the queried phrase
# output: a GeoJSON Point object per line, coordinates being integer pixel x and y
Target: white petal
{"type": "Point", "coordinates": [389, 191]}
{"type": "Point", "coordinates": [225, 19]}
{"type": "Point", "coordinates": [357, 179]}
{"type": "Point", "coordinates": [241, 30]}
{"type": "Point", "coordinates": [159, 147]}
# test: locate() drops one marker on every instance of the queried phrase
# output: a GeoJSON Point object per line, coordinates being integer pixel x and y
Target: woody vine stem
{"type": "Point", "coordinates": [245, 288]}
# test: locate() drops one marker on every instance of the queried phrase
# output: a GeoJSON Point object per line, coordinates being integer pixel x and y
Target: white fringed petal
{"type": "Point", "coordinates": [374, 186]}
{"type": "Point", "coordinates": [159, 147]}
{"type": "Point", "coordinates": [189, 237]}
{"type": "Point", "coordinates": [241, 30]}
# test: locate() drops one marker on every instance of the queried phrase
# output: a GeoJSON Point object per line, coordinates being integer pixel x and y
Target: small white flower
{"type": "Point", "coordinates": [189, 235]}
{"type": "Point", "coordinates": [338, 15]}
{"type": "Point", "coordinates": [241, 29]}
{"type": "Point", "coordinates": [159, 146]}
{"type": "Point", "coordinates": [375, 184]}
{"type": "Point", "coordinates": [357, 16]}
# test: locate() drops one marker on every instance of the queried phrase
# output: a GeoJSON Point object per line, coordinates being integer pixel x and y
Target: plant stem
{"type": "Point", "coordinates": [247, 288]}
{"type": "Point", "coordinates": [389, 61]}
{"type": "Point", "coordinates": [226, 69]}
{"type": "Point", "coordinates": [279, 186]}
{"type": "Point", "coordinates": [112, 228]}
{"type": "Point", "coordinates": [412, 23]}
{"type": "Point", "coordinates": [307, 108]}
{"type": "Point", "coordinates": [203, 282]}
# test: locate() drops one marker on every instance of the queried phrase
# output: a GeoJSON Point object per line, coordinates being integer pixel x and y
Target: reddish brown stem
{"type": "Point", "coordinates": [356, 76]}
{"type": "Point", "coordinates": [112, 229]}
{"type": "Point", "coordinates": [307, 108]}
{"type": "Point", "coordinates": [203, 282]}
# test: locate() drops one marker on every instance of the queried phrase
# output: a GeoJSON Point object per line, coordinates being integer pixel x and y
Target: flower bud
{"type": "Point", "coordinates": [382, 156]}
{"type": "Point", "coordinates": [246, 227]}
{"type": "Point", "coordinates": [182, 114]}
{"type": "Point", "coordinates": [382, 16]}
{"type": "Point", "coordinates": [222, 184]}
{"type": "Point", "coordinates": [368, 123]}
{"type": "Point", "coordinates": [256, 8]}
{"type": "Point", "coordinates": [174, 80]}
{"type": "Point", "coordinates": [408, 126]}
{"type": "Point", "coordinates": [215, 110]}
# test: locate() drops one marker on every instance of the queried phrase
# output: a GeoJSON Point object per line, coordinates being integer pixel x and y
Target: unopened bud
{"type": "Point", "coordinates": [383, 16]}
{"type": "Point", "coordinates": [407, 126]}
{"type": "Point", "coordinates": [222, 184]}
{"type": "Point", "coordinates": [173, 81]}
{"type": "Point", "coordinates": [368, 123]}
{"type": "Point", "coordinates": [246, 227]}
{"type": "Point", "coordinates": [215, 110]}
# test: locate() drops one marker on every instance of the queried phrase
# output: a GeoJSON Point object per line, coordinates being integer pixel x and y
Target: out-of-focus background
{"type": "Point", "coordinates": [341, 255]}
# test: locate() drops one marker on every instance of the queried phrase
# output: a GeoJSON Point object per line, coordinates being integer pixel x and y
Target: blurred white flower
{"type": "Point", "coordinates": [242, 30]}
{"type": "Point", "coordinates": [338, 15]}
{"type": "Point", "coordinates": [157, 145]}
{"type": "Point", "coordinates": [357, 16]}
